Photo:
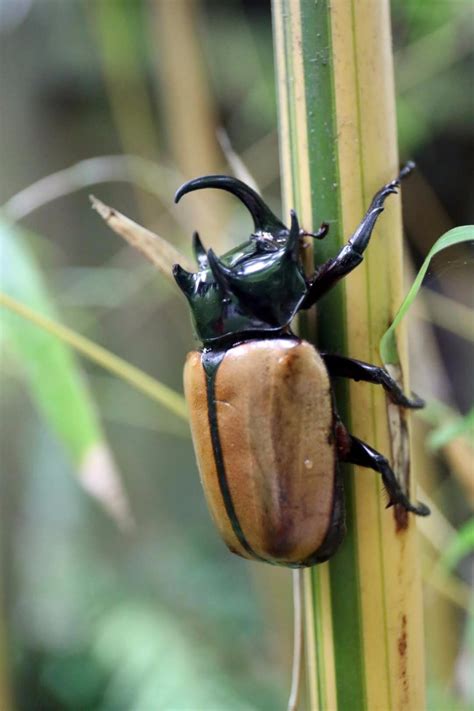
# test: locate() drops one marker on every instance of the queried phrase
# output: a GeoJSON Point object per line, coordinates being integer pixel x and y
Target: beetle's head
{"type": "Point", "coordinates": [256, 287]}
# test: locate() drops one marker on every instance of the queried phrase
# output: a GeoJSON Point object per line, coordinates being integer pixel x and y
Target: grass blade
{"type": "Point", "coordinates": [156, 249]}
{"type": "Point", "coordinates": [388, 343]}
{"type": "Point", "coordinates": [134, 376]}
{"type": "Point", "coordinates": [55, 380]}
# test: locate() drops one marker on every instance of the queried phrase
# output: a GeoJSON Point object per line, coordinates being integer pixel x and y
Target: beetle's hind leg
{"type": "Point", "coordinates": [339, 366]}
{"type": "Point", "coordinates": [355, 451]}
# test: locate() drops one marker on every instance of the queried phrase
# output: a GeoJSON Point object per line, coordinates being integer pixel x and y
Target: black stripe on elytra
{"type": "Point", "coordinates": [210, 361]}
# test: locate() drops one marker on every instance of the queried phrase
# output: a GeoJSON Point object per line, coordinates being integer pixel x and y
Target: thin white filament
{"type": "Point", "coordinates": [297, 575]}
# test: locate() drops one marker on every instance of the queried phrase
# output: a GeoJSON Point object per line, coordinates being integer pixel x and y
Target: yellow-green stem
{"type": "Point", "coordinates": [338, 146]}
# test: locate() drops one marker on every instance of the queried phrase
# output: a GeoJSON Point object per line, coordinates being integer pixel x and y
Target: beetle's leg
{"type": "Point", "coordinates": [353, 450]}
{"type": "Point", "coordinates": [350, 256]}
{"type": "Point", "coordinates": [339, 366]}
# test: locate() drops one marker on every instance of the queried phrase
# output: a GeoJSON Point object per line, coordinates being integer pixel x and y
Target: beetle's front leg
{"type": "Point", "coordinates": [350, 255]}
{"type": "Point", "coordinates": [355, 451]}
{"type": "Point", "coordinates": [339, 366]}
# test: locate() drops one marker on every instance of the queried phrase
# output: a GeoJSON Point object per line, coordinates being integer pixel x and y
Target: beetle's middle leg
{"type": "Point", "coordinates": [340, 366]}
{"type": "Point", "coordinates": [353, 450]}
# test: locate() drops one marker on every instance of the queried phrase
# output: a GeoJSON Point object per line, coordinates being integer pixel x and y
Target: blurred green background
{"type": "Point", "coordinates": [123, 98]}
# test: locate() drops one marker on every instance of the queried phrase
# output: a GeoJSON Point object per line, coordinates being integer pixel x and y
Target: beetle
{"type": "Point", "coordinates": [265, 428]}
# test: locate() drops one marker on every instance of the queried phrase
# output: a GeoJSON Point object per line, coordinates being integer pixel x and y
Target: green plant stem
{"type": "Point", "coordinates": [338, 146]}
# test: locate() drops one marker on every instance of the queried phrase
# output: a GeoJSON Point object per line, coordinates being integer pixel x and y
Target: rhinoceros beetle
{"type": "Point", "coordinates": [266, 433]}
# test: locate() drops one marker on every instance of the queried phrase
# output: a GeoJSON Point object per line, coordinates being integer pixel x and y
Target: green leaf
{"type": "Point", "coordinates": [56, 382]}
{"type": "Point", "coordinates": [388, 342]}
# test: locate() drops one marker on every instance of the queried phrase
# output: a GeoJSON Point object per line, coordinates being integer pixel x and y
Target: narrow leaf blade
{"type": "Point", "coordinates": [56, 382]}
{"type": "Point", "coordinates": [388, 342]}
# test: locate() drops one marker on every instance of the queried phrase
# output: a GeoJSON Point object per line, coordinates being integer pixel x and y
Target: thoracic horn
{"type": "Point", "coordinates": [221, 273]}
{"type": "Point", "coordinates": [292, 245]}
{"type": "Point", "coordinates": [199, 251]}
{"type": "Point", "coordinates": [184, 279]}
{"type": "Point", "coordinates": [263, 217]}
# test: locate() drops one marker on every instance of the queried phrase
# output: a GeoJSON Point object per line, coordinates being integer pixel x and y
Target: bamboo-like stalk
{"type": "Point", "coordinates": [338, 146]}
{"type": "Point", "coordinates": [187, 106]}
{"type": "Point", "coordinates": [116, 25]}
{"type": "Point", "coordinates": [189, 110]}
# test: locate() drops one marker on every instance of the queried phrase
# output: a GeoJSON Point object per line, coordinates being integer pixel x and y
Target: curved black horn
{"type": "Point", "coordinates": [263, 217]}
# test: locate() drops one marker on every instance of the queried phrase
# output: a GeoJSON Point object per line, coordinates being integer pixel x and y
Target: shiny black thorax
{"type": "Point", "coordinates": [254, 289]}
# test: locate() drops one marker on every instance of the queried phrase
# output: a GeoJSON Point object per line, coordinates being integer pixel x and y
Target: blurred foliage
{"type": "Point", "coordinates": [462, 546]}
{"type": "Point", "coordinates": [434, 69]}
{"type": "Point", "coordinates": [451, 428]}
{"type": "Point", "coordinates": [96, 618]}
{"type": "Point", "coordinates": [64, 399]}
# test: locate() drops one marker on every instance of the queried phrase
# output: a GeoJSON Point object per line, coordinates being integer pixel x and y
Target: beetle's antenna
{"type": "Point", "coordinates": [320, 234]}
{"type": "Point", "coordinates": [220, 272]}
{"type": "Point", "coordinates": [199, 251]}
{"type": "Point", "coordinates": [292, 245]}
{"type": "Point", "coordinates": [263, 218]}
{"type": "Point", "coordinates": [297, 638]}
{"type": "Point", "coordinates": [184, 279]}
